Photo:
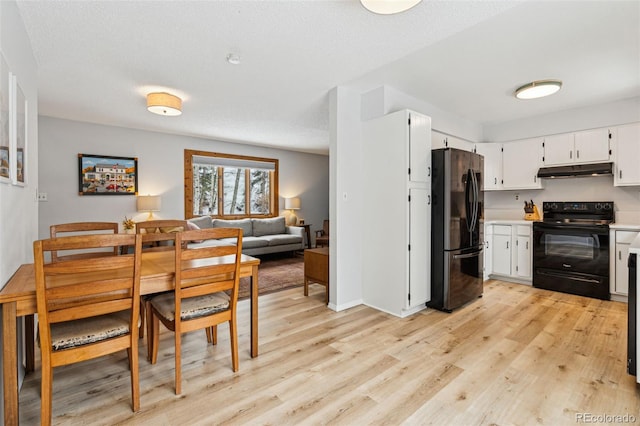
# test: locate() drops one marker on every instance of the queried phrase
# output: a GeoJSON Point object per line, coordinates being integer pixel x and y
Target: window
{"type": "Point", "coordinates": [229, 186]}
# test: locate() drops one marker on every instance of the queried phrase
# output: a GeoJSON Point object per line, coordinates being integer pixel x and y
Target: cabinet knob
{"type": "Point", "coordinates": [570, 154]}
{"type": "Point", "coordinates": [507, 244]}
{"type": "Point", "coordinates": [578, 153]}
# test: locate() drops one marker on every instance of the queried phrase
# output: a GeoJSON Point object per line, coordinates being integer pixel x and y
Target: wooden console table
{"type": "Point", "coordinates": [316, 269]}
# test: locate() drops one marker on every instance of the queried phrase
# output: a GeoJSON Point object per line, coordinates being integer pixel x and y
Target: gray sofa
{"type": "Point", "coordinates": [259, 236]}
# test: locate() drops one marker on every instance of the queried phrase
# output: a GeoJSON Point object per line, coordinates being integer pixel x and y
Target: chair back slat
{"type": "Point", "coordinates": [88, 288]}
{"type": "Point", "coordinates": [79, 312]}
{"type": "Point", "coordinates": [203, 270]}
{"type": "Point", "coordinates": [82, 228]}
{"type": "Point", "coordinates": [90, 265]}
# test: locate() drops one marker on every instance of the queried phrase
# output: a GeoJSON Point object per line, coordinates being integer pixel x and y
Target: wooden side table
{"type": "Point", "coordinates": [316, 269]}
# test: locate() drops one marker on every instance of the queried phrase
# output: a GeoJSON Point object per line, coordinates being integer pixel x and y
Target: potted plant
{"type": "Point", "coordinates": [128, 225]}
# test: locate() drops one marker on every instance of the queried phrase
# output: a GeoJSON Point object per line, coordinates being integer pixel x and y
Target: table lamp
{"type": "Point", "coordinates": [148, 203]}
{"type": "Point", "coordinates": [292, 204]}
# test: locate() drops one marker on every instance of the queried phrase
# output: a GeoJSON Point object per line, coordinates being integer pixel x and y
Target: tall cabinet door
{"type": "Point", "coordinates": [420, 247]}
{"type": "Point", "coordinates": [419, 148]}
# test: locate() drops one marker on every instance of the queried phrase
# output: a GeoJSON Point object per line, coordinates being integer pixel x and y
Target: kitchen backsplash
{"type": "Point", "coordinates": [503, 204]}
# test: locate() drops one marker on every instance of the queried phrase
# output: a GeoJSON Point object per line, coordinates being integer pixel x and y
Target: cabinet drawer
{"type": "Point", "coordinates": [524, 230]}
{"type": "Point", "coordinates": [502, 229]}
{"type": "Point", "coordinates": [625, 236]}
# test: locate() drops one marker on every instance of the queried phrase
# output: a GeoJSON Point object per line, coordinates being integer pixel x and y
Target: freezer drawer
{"type": "Point", "coordinates": [461, 280]}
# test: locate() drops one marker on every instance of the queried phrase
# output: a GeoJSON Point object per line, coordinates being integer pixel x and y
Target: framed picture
{"type": "Point", "coordinates": [106, 175]}
{"type": "Point", "coordinates": [5, 142]}
{"type": "Point", "coordinates": [21, 136]}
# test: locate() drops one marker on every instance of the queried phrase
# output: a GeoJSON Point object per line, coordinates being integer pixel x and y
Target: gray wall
{"type": "Point", "coordinates": [161, 172]}
{"type": "Point", "coordinates": [18, 207]}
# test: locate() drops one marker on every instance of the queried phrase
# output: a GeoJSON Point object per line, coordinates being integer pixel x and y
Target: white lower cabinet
{"type": "Point", "coordinates": [509, 252]}
{"type": "Point", "coordinates": [619, 246]}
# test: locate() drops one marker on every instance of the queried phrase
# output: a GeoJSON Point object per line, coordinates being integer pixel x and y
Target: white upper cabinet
{"type": "Point", "coordinates": [627, 155]}
{"type": "Point", "coordinates": [592, 146]}
{"type": "Point", "coordinates": [589, 146]}
{"type": "Point", "coordinates": [440, 140]}
{"type": "Point", "coordinates": [492, 153]}
{"type": "Point", "coordinates": [520, 163]}
{"type": "Point", "coordinates": [419, 148]}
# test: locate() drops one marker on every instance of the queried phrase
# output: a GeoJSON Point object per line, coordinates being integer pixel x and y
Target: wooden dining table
{"type": "Point", "coordinates": [18, 299]}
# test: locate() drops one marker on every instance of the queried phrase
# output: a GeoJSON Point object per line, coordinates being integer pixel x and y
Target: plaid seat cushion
{"type": "Point", "coordinates": [193, 307]}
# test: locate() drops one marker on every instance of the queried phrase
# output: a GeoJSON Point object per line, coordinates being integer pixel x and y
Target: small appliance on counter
{"type": "Point", "coordinates": [531, 211]}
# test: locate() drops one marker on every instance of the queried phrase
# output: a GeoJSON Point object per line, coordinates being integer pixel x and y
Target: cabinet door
{"type": "Point", "coordinates": [438, 140]}
{"type": "Point", "coordinates": [622, 273]}
{"type": "Point", "coordinates": [501, 255]}
{"type": "Point", "coordinates": [558, 149]}
{"type": "Point", "coordinates": [492, 153]}
{"type": "Point", "coordinates": [627, 155]}
{"type": "Point", "coordinates": [520, 163]}
{"type": "Point", "coordinates": [419, 148]}
{"type": "Point", "coordinates": [523, 259]}
{"type": "Point", "coordinates": [592, 146]}
{"type": "Point", "coordinates": [420, 252]}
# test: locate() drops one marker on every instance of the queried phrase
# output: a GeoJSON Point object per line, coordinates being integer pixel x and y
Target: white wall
{"type": "Point", "coordinates": [161, 172]}
{"type": "Point", "coordinates": [18, 212]}
{"type": "Point", "coordinates": [603, 115]}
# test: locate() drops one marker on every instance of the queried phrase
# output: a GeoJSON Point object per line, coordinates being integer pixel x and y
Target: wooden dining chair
{"type": "Point", "coordinates": [157, 235]}
{"type": "Point", "coordinates": [205, 294]}
{"type": "Point", "coordinates": [87, 308]}
{"type": "Point", "coordinates": [82, 228]}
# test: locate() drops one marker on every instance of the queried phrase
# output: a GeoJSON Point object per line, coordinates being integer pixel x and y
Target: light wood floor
{"type": "Point", "coordinates": [517, 356]}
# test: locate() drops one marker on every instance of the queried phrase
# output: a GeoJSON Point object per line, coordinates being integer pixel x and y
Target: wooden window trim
{"type": "Point", "coordinates": [188, 185]}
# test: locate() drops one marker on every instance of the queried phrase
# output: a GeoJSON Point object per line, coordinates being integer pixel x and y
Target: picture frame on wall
{"type": "Point", "coordinates": [21, 136]}
{"type": "Point", "coordinates": [5, 115]}
{"type": "Point", "coordinates": [107, 175]}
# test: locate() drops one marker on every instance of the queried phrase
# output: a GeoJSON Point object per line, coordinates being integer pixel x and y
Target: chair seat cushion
{"type": "Point", "coordinates": [193, 307]}
{"type": "Point", "coordinates": [89, 330]}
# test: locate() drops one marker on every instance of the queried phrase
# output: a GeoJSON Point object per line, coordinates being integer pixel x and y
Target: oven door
{"type": "Point", "coordinates": [576, 249]}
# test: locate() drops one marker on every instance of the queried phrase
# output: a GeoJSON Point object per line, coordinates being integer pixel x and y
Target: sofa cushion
{"type": "Point", "coordinates": [244, 224]}
{"type": "Point", "coordinates": [202, 222]}
{"type": "Point", "coordinates": [276, 240]}
{"type": "Point", "coordinates": [248, 242]}
{"type": "Point", "coordinates": [272, 226]}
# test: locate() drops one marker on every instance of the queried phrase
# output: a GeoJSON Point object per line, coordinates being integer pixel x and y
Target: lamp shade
{"type": "Point", "coordinates": [388, 7]}
{"type": "Point", "coordinates": [164, 103]}
{"type": "Point", "coordinates": [148, 203]}
{"type": "Point", "coordinates": [292, 203]}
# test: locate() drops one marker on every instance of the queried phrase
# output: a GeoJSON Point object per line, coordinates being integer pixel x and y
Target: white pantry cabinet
{"type": "Point", "coordinates": [588, 146]}
{"type": "Point", "coordinates": [520, 163]}
{"type": "Point", "coordinates": [396, 199]}
{"type": "Point", "coordinates": [627, 155]}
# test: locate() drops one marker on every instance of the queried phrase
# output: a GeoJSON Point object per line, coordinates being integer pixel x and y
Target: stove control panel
{"type": "Point", "coordinates": [595, 210]}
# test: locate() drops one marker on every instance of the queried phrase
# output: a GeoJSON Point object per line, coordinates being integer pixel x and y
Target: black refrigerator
{"type": "Point", "coordinates": [456, 227]}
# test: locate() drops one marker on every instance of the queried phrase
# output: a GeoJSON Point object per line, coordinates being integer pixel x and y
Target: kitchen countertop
{"type": "Point", "coordinates": [624, 226]}
{"type": "Point", "coordinates": [508, 222]}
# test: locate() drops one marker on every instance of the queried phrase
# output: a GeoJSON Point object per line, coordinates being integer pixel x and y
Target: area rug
{"type": "Point", "coordinates": [275, 273]}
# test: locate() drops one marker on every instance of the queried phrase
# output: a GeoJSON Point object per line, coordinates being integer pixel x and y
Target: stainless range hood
{"type": "Point", "coordinates": [599, 169]}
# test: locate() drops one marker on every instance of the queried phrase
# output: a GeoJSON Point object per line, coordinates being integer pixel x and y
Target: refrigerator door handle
{"type": "Point", "coordinates": [467, 204]}
{"type": "Point", "coordinates": [474, 180]}
{"type": "Point", "coordinates": [468, 255]}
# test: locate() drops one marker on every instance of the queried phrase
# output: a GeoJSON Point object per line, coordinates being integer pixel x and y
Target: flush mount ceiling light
{"type": "Point", "coordinates": [538, 89]}
{"type": "Point", "coordinates": [388, 7]}
{"type": "Point", "coordinates": [162, 103]}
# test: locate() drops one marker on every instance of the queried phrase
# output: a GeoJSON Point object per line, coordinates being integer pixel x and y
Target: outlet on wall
{"type": "Point", "coordinates": [517, 197]}
{"type": "Point", "coordinates": [42, 196]}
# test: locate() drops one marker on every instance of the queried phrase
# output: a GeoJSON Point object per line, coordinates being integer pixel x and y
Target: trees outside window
{"type": "Point", "coordinates": [228, 186]}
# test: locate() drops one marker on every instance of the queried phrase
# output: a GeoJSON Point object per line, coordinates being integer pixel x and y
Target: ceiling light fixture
{"type": "Point", "coordinates": [388, 7]}
{"type": "Point", "coordinates": [163, 103]}
{"type": "Point", "coordinates": [538, 89]}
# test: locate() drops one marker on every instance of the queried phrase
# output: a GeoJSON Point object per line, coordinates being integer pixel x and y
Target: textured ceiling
{"type": "Point", "coordinates": [98, 59]}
